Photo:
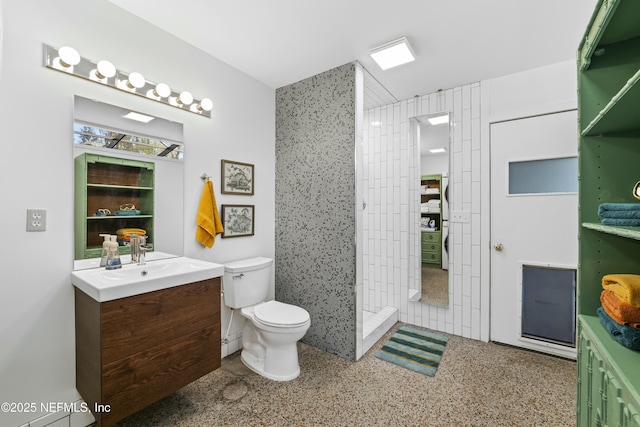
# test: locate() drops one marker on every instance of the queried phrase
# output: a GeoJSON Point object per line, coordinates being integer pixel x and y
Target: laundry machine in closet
{"type": "Point", "coordinates": [445, 222]}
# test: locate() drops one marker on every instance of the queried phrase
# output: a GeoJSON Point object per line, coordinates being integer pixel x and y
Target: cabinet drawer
{"type": "Point", "coordinates": [431, 257]}
{"type": "Point", "coordinates": [130, 325]}
{"type": "Point", "coordinates": [431, 236]}
{"type": "Point", "coordinates": [431, 247]}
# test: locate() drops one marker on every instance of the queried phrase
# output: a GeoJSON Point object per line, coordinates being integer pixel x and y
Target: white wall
{"type": "Point", "coordinates": [37, 359]}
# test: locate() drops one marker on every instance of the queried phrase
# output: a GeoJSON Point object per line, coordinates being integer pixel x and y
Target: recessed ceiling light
{"type": "Point", "coordinates": [138, 117]}
{"type": "Point", "coordinates": [392, 54]}
{"type": "Point", "coordinates": [438, 150]}
{"type": "Point", "coordinates": [439, 120]}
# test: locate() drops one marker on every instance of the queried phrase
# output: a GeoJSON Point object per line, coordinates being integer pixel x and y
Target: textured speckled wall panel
{"type": "Point", "coordinates": [315, 205]}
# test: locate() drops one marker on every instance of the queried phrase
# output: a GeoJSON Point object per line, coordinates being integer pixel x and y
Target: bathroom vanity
{"type": "Point", "coordinates": [133, 350]}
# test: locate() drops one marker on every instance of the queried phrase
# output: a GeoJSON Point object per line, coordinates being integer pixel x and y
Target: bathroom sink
{"type": "Point", "coordinates": [132, 279]}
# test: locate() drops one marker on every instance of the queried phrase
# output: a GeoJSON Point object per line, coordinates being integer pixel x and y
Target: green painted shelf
{"type": "Point", "coordinates": [609, 152]}
{"type": "Point", "coordinates": [104, 182]}
{"type": "Point", "coordinates": [628, 232]}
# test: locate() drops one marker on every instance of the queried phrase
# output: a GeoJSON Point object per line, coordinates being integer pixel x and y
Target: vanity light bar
{"type": "Point", "coordinates": [67, 60]}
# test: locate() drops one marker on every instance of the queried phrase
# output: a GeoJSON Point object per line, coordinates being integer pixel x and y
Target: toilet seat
{"type": "Point", "coordinates": [279, 314]}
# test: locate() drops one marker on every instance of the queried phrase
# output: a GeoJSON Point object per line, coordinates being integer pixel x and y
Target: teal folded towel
{"type": "Point", "coordinates": [626, 335]}
{"type": "Point", "coordinates": [621, 221]}
{"type": "Point", "coordinates": [619, 210]}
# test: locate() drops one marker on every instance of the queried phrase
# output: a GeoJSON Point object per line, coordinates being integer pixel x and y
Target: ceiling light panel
{"type": "Point", "coordinates": [392, 54]}
{"type": "Point", "coordinates": [439, 120]}
{"type": "Point", "coordinates": [138, 117]}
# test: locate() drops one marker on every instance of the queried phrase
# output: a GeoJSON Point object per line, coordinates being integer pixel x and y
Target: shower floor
{"type": "Point", "coordinates": [375, 325]}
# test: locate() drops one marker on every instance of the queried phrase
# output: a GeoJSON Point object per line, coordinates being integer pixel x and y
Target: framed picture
{"type": "Point", "coordinates": [237, 178]}
{"type": "Point", "coordinates": [238, 220]}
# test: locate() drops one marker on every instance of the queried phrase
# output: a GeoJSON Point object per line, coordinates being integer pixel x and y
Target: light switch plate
{"type": "Point", "coordinates": [36, 219]}
{"type": "Point", "coordinates": [459, 216]}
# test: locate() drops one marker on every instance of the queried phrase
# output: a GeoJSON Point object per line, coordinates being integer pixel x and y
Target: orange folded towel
{"type": "Point", "coordinates": [625, 286]}
{"type": "Point", "coordinates": [208, 218]}
{"type": "Point", "coordinates": [620, 311]}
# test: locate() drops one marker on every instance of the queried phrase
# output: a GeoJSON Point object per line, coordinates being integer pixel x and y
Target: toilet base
{"type": "Point", "coordinates": [256, 364]}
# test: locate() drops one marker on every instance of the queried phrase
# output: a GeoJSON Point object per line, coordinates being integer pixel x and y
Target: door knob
{"type": "Point", "coordinates": [498, 247]}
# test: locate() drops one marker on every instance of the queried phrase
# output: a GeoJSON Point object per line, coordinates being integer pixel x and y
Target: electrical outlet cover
{"type": "Point", "coordinates": [36, 219]}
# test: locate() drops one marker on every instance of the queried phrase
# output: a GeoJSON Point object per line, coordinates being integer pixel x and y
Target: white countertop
{"type": "Point", "coordinates": [132, 279]}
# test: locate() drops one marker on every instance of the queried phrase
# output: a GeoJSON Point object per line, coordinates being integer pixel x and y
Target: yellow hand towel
{"type": "Point", "coordinates": [208, 219]}
{"type": "Point", "coordinates": [625, 286]}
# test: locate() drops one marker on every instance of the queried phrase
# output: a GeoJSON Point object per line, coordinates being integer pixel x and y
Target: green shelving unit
{"type": "Point", "coordinates": [609, 155]}
{"type": "Point", "coordinates": [431, 240]}
{"type": "Point", "coordinates": [103, 182]}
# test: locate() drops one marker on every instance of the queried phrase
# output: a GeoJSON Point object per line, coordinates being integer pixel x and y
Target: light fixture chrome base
{"type": "Point", "coordinates": [67, 60]}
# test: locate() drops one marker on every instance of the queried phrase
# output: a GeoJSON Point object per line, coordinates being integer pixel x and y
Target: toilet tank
{"type": "Point", "coordinates": [246, 282]}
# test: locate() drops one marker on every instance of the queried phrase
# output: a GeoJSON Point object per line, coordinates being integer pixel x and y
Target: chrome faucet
{"type": "Point", "coordinates": [142, 250]}
{"type": "Point", "coordinates": [138, 248]}
{"type": "Point", "coordinates": [134, 244]}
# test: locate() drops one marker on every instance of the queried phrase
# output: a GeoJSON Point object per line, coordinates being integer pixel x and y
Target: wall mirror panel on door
{"type": "Point", "coordinates": [432, 133]}
{"type": "Point", "coordinates": [128, 178]}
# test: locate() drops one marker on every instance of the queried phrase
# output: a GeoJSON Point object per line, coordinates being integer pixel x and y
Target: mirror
{"type": "Point", "coordinates": [433, 137]}
{"type": "Point", "coordinates": [128, 174]}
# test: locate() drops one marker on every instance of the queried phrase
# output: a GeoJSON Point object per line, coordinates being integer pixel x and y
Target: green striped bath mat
{"type": "Point", "coordinates": [414, 349]}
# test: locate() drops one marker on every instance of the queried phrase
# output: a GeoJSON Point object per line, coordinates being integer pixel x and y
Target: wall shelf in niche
{"type": "Point", "coordinates": [106, 183]}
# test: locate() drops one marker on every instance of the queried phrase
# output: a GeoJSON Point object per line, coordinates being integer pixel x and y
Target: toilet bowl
{"type": "Point", "coordinates": [271, 329]}
{"type": "Point", "coordinates": [269, 339]}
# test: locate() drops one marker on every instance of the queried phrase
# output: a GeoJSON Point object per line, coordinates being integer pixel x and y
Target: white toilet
{"type": "Point", "coordinates": [271, 328]}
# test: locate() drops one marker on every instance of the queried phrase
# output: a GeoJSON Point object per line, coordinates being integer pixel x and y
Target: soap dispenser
{"type": "Point", "coordinates": [105, 249]}
{"type": "Point", "coordinates": [113, 256]}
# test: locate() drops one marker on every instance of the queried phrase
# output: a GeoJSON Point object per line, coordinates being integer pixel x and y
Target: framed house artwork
{"type": "Point", "coordinates": [238, 220]}
{"type": "Point", "coordinates": [237, 178]}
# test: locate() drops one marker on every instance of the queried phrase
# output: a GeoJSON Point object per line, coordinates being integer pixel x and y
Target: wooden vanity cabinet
{"type": "Point", "coordinates": [133, 351]}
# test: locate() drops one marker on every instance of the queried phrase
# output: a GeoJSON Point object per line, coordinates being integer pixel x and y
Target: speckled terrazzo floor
{"type": "Point", "coordinates": [477, 384]}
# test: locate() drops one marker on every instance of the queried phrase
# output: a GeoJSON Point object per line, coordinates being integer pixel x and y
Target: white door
{"type": "Point", "coordinates": [534, 214]}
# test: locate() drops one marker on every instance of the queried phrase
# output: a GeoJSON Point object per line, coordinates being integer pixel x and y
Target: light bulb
{"type": "Point", "coordinates": [66, 59]}
{"type": "Point", "coordinates": [162, 90]}
{"type": "Point", "coordinates": [185, 98]}
{"type": "Point", "coordinates": [103, 71]}
{"type": "Point", "coordinates": [68, 56]}
{"type": "Point", "coordinates": [135, 81]}
{"type": "Point", "coordinates": [205, 105]}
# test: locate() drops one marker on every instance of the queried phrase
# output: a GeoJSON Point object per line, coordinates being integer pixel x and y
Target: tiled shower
{"type": "Point", "coordinates": [390, 267]}
{"type": "Point", "coordinates": [318, 209]}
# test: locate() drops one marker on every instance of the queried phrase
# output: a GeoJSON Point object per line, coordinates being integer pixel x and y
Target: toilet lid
{"type": "Point", "coordinates": [276, 313]}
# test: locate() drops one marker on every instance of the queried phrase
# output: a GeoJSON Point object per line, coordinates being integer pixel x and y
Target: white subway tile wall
{"type": "Point", "coordinates": [390, 219]}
